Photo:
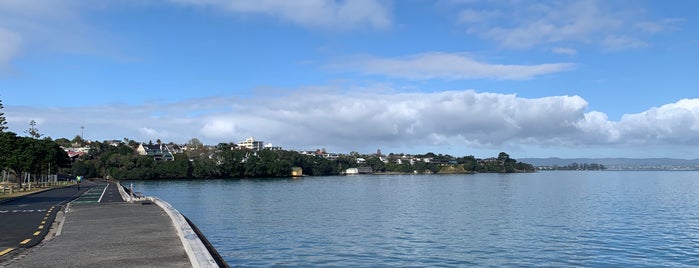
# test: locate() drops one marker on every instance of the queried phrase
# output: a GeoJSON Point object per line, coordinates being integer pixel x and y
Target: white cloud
{"type": "Point", "coordinates": [218, 128]}
{"type": "Point", "coordinates": [614, 42]}
{"type": "Point", "coordinates": [438, 65]}
{"type": "Point", "coordinates": [524, 25]}
{"type": "Point", "coordinates": [148, 132]}
{"type": "Point", "coordinates": [365, 121]}
{"type": "Point", "coordinates": [329, 14]}
{"type": "Point", "coordinates": [10, 44]}
{"type": "Point", "coordinates": [659, 26]}
{"type": "Point", "coordinates": [477, 16]}
{"type": "Point", "coordinates": [564, 51]}
{"type": "Point", "coordinates": [671, 123]}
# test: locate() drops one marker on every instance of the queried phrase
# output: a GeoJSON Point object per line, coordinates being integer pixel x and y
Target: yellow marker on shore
{"type": "Point", "coordinates": [5, 251]}
{"type": "Point", "coordinates": [25, 241]}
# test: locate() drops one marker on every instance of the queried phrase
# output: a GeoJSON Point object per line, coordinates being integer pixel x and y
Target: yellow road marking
{"type": "Point", "coordinates": [41, 227]}
{"type": "Point", "coordinates": [5, 251]}
{"type": "Point", "coordinates": [37, 233]}
{"type": "Point", "coordinates": [43, 222]}
{"type": "Point", "coordinates": [25, 241]}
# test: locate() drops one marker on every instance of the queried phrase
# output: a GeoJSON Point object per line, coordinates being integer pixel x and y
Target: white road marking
{"type": "Point", "coordinates": [23, 210]}
{"type": "Point", "coordinates": [103, 191]}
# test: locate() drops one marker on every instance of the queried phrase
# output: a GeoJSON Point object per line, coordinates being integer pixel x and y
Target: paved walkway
{"type": "Point", "coordinates": [113, 234]}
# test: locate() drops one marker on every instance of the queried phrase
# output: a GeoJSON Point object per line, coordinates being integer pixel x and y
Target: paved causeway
{"type": "Point", "coordinates": [24, 221]}
{"type": "Point", "coordinates": [101, 230]}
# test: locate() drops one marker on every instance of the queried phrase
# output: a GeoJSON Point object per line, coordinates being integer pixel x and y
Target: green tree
{"type": "Point", "coordinates": [33, 131]}
{"type": "Point", "coordinates": [78, 140]}
{"type": "Point", "coordinates": [376, 164]}
{"type": "Point", "coordinates": [3, 121]}
{"type": "Point", "coordinates": [63, 142]}
{"type": "Point", "coordinates": [503, 156]}
{"type": "Point", "coordinates": [24, 154]}
{"type": "Point", "coordinates": [205, 168]}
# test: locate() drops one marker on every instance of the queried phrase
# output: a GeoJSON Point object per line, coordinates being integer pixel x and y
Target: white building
{"type": "Point", "coordinates": [252, 144]}
{"type": "Point", "coordinates": [359, 170]}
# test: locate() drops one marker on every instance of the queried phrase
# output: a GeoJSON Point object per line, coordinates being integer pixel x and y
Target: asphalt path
{"type": "Point", "coordinates": [111, 194]}
{"type": "Point", "coordinates": [25, 221]}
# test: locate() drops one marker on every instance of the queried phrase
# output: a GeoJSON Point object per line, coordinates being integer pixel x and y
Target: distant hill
{"type": "Point", "coordinates": [620, 163]}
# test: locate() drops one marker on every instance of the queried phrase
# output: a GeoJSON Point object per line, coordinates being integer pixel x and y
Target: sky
{"type": "Point", "coordinates": [469, 77]}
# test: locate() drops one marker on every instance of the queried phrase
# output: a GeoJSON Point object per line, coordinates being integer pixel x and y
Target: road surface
{"type": "Point", "coordinates": [25, 221]}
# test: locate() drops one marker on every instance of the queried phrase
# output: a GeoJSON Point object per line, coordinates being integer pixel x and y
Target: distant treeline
{"type": "Point", "coordinates": [121, 162]}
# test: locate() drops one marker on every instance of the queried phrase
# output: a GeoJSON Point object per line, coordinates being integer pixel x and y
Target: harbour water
{"type": "Point", "coordinates": [557, 218]}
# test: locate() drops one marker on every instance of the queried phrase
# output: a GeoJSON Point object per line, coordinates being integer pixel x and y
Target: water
{"type": "Point", "coordinates": [541, 219]}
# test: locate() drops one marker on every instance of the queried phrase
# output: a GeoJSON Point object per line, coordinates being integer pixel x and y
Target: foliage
{"type": "Point", "coordinates": [33, 131]}
{"type": "Point", "coordinates": [3, 121]}
{"type": "Point", "coordinates": [121, 162]}
{"type": "Point", "coordinates": [24, 154]}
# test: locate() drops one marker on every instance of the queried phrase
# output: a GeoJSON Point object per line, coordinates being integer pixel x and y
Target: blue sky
{"type": "Point", "coordinates": [534, 79]}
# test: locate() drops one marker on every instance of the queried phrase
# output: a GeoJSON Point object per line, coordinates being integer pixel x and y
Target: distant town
{"type": "Point", "coordinates": [79, 150]}
{"type": "Point", "coordinates": [36, 157]}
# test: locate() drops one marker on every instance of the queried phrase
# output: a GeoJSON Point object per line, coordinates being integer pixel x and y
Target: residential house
{"type": "Point", "coordinates": [159, 152]}
{"type": "Point", "coordinates": [175, 148]}
{"type": "Point", "coordinates": [74, 153]}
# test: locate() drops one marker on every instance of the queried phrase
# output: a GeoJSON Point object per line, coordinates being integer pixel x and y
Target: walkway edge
{"type": "Point", "coordinates": [198, 255]}
{"type": "Point", "coordinates": [122, 192]}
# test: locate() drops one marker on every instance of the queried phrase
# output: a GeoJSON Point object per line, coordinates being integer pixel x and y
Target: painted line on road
{"type": "Point", "coordinates": [103, 191]}
{"type": "Point", "coordinates": [5, 251]}
{"type": "Point", "coordinates": [25, 241]}
{"type": "Point", "coordinates": [41, 227]}
{"type": "Point", "coordinates": [37, 233]}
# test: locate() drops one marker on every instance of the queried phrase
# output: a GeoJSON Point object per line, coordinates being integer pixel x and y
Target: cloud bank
{"type": "Point", "coordinates": [362, 121]}
{"type": "Point", "coordinates": [327, 14]}
{"type": "Point", "coordinates": [9, 46]}
{"type": "Point", "coordinates": [440, 65]}
{"type": "Point", "coordinates": [525, 25]}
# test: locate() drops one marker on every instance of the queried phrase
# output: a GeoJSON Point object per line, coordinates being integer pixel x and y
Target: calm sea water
{"type": "Point", "coordinates": [607, 218]}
